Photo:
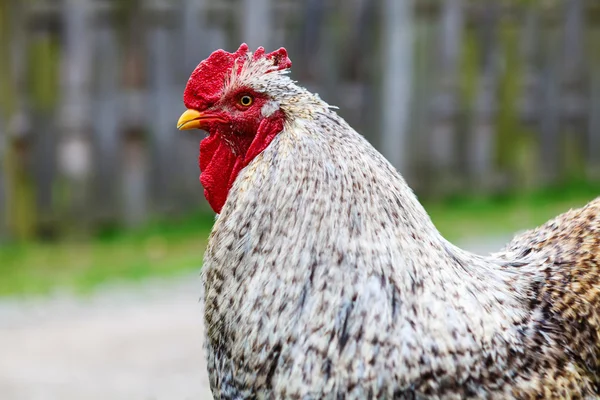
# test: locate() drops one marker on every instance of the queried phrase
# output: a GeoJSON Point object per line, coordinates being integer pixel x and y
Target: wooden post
{"type": "Point", "coordinates": [74, 147]}
{"type": "Point", "coordinates": [424, 89]}
{"type": "Point", "coordinates": [356, 98]}
{"type": "Point", "coordinates": [327, 57]}
{"type": "Point", "coordinates": [573, 42]}
{"type": "Point", "coordinates": [593, 134]}
{"type": "Point", "coordinates": [194, 46]}
{"type": "Point", "coordinates": [309, 39]}
{"type": "Point", "coordinates": [160, 41]}
{"type": "Point", "coordinates": [3, 214]}
{"type": "Point", "coordinates": [4, 110]}
{"type": "Point", "coordinates": [530, 107]}
{"type": "Point", "coordinates": [256, 23]}
{"type": "Point", "coordinates": [551, 155]}
{"type": "Point", "coordinates": [43, 98]}
{"type": "Point", "coordinates": [20, 198]}
{"type": "Point", "coordinates": [573, 107]}
{"type": "Point", "coordinates": [135, 176]}
{"type": "Point", "coordinates": [134, 185]}
{"type": "Point", "coordinates": [480, 155]}
{"type": "Point", "coordinates": [107, 144]}
{"type": "Point", "coordinates": [443, 135]}
{"type": "Point", "coordinates": [397, 76]}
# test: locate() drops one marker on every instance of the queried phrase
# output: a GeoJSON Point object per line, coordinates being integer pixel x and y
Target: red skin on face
{"type": "Point", "coordinates": [237, 133]}
{"type": "Point", "coordinates": [230, 147]}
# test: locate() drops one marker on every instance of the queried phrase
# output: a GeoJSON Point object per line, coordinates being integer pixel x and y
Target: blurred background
{"type": "Point", "coordinates": [490, 109]}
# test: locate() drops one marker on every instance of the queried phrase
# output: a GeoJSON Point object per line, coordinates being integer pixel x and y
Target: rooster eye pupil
{"type": "Point", "coordinates": [246, 100]}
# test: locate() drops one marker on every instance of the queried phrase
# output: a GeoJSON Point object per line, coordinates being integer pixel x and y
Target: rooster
{"type": "Point", "coordinates": [325, 277]}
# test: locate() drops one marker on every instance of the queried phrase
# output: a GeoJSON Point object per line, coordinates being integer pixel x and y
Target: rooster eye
{"type": "Point", "coordinates": [246, 100]}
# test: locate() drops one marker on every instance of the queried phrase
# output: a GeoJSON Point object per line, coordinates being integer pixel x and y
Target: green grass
{"type": "Point", "coordinates": [462, 217]}
{"type": "Point", "coordinates": [169, 248]}
{"type": "Point", "coordinates": [158, 249]}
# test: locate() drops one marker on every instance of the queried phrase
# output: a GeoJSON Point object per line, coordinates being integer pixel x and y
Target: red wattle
{"type": "Point", "coordinates": [267, 130]}
{"type": "Point", "coordinates": [208, 147]}
{"type": "Point", "coordinates": [215, 176]}
{"type": "Point", "coordinates": [219, 165]}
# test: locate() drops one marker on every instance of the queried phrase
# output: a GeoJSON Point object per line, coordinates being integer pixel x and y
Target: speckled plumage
{"type": "Point", "coordinates": [325, 278]}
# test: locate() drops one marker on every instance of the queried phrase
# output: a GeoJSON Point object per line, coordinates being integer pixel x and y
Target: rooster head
{"type": "Point", "coordinates": [233, 97]}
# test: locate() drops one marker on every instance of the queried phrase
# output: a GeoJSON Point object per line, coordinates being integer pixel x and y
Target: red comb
{"type": "Point", "coordinates": [280, 57]}
{"type": "Point", "coordinates": [206, 82]}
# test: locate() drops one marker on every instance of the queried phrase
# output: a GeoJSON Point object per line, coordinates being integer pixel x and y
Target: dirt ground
{"type": "Point", "coordinates": [140, 342]}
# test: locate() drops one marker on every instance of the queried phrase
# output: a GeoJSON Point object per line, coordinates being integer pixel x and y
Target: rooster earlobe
{"type": "Point", "coordinates": [280, 59]}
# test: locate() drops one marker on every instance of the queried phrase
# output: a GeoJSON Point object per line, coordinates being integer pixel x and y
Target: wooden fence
{"type": "Point", "coordinates": [460, 95]}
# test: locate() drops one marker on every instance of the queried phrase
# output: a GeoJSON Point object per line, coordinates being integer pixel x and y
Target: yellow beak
{"type": "Point", "coordinates": [190, 119]}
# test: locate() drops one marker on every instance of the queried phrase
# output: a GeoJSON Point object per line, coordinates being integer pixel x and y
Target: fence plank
{"type": "Point", "coordinates": [3, 219]}
{"type": "Point", "coordinates": [106, 129]}
{"type": "Point", "coordinates": [74, 145]}
{"type": "Point", "coordinates": [423, 89]}
{"type": "Point", "coordinates": [44, 58]}
{"type": "Point", "coordinates": [19, 184]}
{"type": "Point", "coordinates": [159, 40]}
{"type": "Point", "coordinates": [256, 23]}
{"type": "Point", "coordinates": [445, 110]}
{"type": "Point", "coordinates": [193, 47]}
{"type": "Point", "coordinates": [135, 181]}
{"type": "Point", "coordinates": [573, 99]}
{"type": "Point", "coordinates": [551, 155]}
{"type": "Point", "coordinates": [5, 13]}
{"type": "Point", "coordinates": [309, 38]}
{"type": "Point", "coordinates": [358, 100]}
{"type": "Point", "coordinates": [480, 158]}
{"type": "Point", "coordinates": [530, 108]}
{"type": "Point", "coordinates": [593, 129]}
{"type": "Point", "coordinates": [135, 171]}
{"type": "Point", "coordinates": [43, 123]}
{"type": "Point", "coordinates": [397, 76]}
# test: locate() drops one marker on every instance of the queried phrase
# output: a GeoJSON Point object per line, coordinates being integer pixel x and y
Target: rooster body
{"type": "Point", "coordinates": [325, 278]}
